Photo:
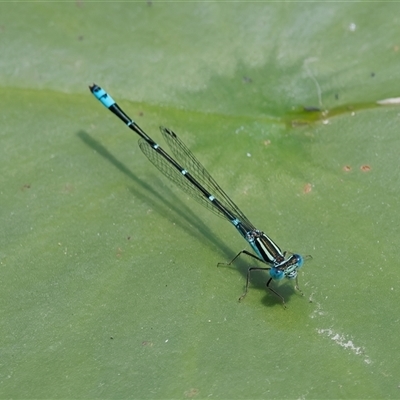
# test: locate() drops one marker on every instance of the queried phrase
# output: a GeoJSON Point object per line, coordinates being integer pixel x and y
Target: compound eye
{"type": "Point", "coordinates": [276, 274]}
{"type": "Point", "coordinates": [300, 260]}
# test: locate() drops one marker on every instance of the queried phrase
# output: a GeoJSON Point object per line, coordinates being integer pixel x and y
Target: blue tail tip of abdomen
{"type": "Point", "coordinates": [101, 95]}
{"type": "Point", "coordinates": [94, 87]}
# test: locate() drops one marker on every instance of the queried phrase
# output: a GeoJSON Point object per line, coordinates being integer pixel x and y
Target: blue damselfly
{"type": "Point", "coordinates": [188, 173]}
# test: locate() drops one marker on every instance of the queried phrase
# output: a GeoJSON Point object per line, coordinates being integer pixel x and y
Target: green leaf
{"type": "Point", "coordinates": [108, 272]}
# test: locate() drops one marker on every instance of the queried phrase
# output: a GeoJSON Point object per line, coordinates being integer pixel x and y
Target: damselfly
{"type": "Point", "coordinates": [187, 172]}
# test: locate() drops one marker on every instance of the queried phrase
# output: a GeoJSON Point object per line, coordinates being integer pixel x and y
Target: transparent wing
{"type": "Point", "coordinates": [188, 161]}
{"type": "Point", "coordinates": [177, 177]}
